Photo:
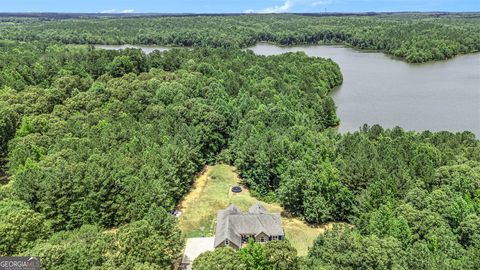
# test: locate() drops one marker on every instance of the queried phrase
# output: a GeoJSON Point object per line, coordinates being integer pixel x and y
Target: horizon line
{"type": "Point", "coordinates": [228, 13]}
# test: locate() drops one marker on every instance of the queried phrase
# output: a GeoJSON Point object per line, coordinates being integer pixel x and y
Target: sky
{"type": "Point", "coordinates": [234, 6]}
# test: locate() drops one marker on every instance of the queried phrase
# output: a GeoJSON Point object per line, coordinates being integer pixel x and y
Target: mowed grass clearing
{"type": "Point", "coordinates": [211, 192]}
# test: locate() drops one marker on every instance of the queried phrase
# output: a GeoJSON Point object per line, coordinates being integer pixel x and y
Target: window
{"type": "Point", "coordinates": [262, 239]}
{"type": "Point", "coordinates": [274, 237]}
{"type": "Point", "coordinates": [226, 242]}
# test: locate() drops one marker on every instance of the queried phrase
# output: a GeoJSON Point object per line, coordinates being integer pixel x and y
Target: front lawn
{"type": "Point", "coordinates": [211, 193]}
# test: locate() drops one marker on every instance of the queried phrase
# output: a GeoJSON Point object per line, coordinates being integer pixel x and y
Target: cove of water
{"type": "Point", "coordinates": [378, 89]}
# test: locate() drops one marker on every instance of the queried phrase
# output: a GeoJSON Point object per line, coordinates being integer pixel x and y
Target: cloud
{"type": "Point", "coordinates": [108, 11]}
{"type": "Point", "coordinates": [287, 5]}
{"type": "Point", "coordinates": [118, 11]}
{"type": "Point", "coordinates": [321, 3]}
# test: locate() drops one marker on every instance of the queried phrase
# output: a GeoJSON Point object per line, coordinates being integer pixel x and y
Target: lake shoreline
{"type": "Point", "coordinates": [386, 90]}
{"type": "Point", "coordinates": [340, 45]}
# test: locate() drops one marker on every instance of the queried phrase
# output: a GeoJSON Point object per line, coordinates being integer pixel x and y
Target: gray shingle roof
{"type": "Point", "coordinates": [257, 208]}
{"type": "Point", "coordinates": [231, 222]}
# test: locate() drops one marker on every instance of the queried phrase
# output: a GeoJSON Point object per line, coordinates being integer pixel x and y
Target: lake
{"type": "Point", "coordinates": [378, 89]}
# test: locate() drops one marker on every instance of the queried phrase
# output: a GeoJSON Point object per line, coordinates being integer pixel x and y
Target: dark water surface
{"type": "Point", "coordinates": [377, 89]}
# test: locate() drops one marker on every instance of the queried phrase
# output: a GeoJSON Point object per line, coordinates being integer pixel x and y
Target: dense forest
{"type": "Point", "coordinates": [102, 144]}
{"type": "Point", "coordinates": [413, 37]}
{"type": "Point", "coordinates": [412, 200]}
{"type": "Point", "coordinates": [98, 146]}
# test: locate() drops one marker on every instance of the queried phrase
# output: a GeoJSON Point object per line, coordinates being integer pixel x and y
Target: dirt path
{"type": "Point", "coordinates": [196, 190]}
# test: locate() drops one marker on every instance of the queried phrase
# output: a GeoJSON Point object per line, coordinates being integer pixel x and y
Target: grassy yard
{"type": "Point", "coordinates": [211, 193]}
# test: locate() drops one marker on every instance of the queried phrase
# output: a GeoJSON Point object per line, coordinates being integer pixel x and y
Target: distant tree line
{"type": "Point", "coordinates": [413, 37]}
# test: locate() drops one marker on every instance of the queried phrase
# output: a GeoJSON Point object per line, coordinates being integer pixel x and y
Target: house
{"type": "Point", "coordinates": [234, 228]}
